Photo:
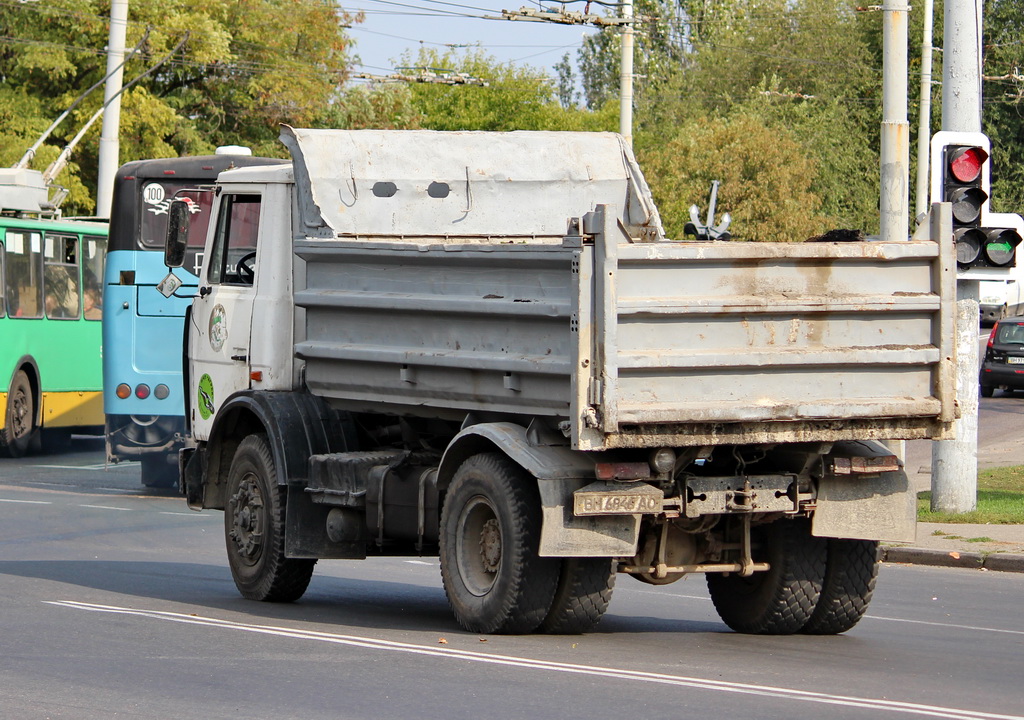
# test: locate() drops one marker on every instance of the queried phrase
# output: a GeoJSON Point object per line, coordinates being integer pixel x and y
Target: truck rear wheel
{"type": "Point", "coordinates": [781, 600]}
{"type": "Point", "coordinates": [20, 419]}
{"type": "Point", "coordinates": [850, 574]}
{"type": "Point", "coordinates": [254, 528]}
{"type": "Point", "coordinates": [490, 533]}
{"type": "Point", "coordinates": [583, 593]}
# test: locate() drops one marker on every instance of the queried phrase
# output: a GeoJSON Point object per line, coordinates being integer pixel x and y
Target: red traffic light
{"type": "Point", "coordinates": [965, 163]}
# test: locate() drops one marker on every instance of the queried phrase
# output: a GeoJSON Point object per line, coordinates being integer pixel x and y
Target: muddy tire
{"type": "Point", "coordinates": [850, 575]}
{"type": "Point", "coordinates": [781, 600]}
{"type": "Point", "coordinates": [582, 596]}
{"type": "Point", "coordinates": [490, 534]}
{"type": "Point", "coordinates": [254, 528]}
{"type": "Point", "coordinates": [19, 432]}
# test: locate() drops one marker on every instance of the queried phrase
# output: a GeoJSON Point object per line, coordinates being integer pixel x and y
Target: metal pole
{"type": "Point", "coordinates": [924, 132]}
{"type": "Point", "coordinates": [955, 462]}
{"type": "Point", "coordinates": [109, 145]}
{"type": "Point", "coordinates": [895, 160]}
{"type": "Point", "coordinates": [626, 77]}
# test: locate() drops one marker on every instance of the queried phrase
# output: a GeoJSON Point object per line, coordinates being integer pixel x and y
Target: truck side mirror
{"type": "Point", "coordinates": [177, 234]}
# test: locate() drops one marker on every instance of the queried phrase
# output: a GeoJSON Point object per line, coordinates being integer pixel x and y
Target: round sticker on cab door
{"type": "Point", "coordinates": [205, 397]}
{"type": "Point", "coordinates": [218, 328]}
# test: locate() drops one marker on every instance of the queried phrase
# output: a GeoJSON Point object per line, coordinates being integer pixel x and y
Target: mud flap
{"type": "Point", "coordinates": [565, 535]}
{"type": "Point", "coordinates": [874, 507]}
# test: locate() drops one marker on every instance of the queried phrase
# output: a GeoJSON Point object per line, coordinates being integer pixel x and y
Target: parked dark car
{"type": "Point", "coordinates": [1004, 357]}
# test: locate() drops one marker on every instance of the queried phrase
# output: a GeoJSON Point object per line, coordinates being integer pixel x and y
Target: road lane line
{"type": "Point", "coordinates": [946, 625]}
{"type": "Point", "coordinates": [28, 502]}
{"type": "Point", "coordinates": [527, 663]}
{"type": "Point", "coordinates": [106, 507]}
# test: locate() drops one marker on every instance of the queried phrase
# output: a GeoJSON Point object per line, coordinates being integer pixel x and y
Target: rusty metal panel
{"type": "Point", "coordinates": [436, 330]}
{"type": "Point", "coordinates": [774, 342]}
{"type": "Point", "coordinates": [419, 183]}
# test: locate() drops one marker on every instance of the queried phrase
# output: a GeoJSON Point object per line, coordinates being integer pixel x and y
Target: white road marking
{"type": "Point", "coordinates": [527, 663]}
{"type": "Point", "coordinates": [73, 467]}
{"type": "Point", "coordinates": [183, 514]}
{"type": "Point", "coordinates": [419, 562]}
{"type": "Point", "coordinates": [106, 507]}
{"type": "Point", "coordinates": [28, 502]}
{"type": "Point", "coordinates": [946, 625]}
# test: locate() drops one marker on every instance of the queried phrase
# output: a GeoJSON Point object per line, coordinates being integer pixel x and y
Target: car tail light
{"type": "Point", "coordinates": [142, 391]}
{"type": "Point", "coordinates": [992, 335]}
{"type": "Point", "coordinates": [123, 391]}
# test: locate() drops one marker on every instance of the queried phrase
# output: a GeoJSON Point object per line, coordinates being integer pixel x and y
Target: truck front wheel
{"type": "Point", "coordinates": [781, 600]}
{"type": "Point", "coordinates": [849, 583]}
{"type": "Point", "coordinates": [490, 533]}
{"type": "Point", "coordinates": [254, 528]}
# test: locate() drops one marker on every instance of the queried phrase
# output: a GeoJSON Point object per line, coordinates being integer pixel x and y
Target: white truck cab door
{"type": "Point", "coordinates": [220, 328]}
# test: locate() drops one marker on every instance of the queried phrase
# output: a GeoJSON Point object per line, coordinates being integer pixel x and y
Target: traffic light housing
{"type": "Point", "coordinates": [986, 243]}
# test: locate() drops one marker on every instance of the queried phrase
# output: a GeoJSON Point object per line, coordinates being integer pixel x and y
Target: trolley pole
{"type": "Point", "coordinates": [109, 141]}
{"type": "Point", "coordinates": [955, 462]}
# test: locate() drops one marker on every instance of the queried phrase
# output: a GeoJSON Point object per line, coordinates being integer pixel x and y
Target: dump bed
{"type": "Point", "coordinates": [504, 303]}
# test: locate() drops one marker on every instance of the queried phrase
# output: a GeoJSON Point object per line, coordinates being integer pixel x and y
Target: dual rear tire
{"type": "Point", "coordinates": [493, 576]}
{"type": "Point", "coordinates": [815, 586]}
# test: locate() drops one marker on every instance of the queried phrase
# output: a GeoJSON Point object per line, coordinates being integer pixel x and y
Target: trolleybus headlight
{"type": "Point", "coordinates": [142, 391]}
{"type": "Point", "coordinates": [161, 391]}
{"type": "Point", "coordinates": [123, 391]}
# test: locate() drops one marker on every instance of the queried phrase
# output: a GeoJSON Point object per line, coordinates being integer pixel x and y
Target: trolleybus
{"type": "Point", "coordinates": [51, 299]}
{"type": "Point", "coordinates": [142, 330]}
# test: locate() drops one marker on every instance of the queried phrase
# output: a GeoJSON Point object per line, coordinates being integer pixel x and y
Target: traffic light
{"type": "Point", "coordinates": [986, 243]}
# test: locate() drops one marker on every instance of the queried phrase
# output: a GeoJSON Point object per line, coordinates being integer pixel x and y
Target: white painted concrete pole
{"type": "Point", "coordinates": [626, 77]}
{"type": "Point", "coordinates": [955, 462]}
{"type": "Point", "coordinates": [924, 132]}
{"type": "Point", "coordinates": [109, 144]}
{"type": "Point", "coordinates": [895, 160]}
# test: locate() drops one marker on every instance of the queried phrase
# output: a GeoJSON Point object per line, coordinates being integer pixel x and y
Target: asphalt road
{"type": "Point", "coordinates": [118, 603]}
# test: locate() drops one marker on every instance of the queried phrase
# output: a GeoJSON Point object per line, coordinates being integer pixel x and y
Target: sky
{"type": "Point", "coordinates": [393, 27]}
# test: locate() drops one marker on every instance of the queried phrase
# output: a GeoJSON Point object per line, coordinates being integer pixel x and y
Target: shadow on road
{"type": "Point", "coordinates": [344, 602]}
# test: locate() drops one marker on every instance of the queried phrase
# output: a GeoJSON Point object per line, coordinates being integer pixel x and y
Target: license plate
{"type": "Point", "coordinates": [1015, 360]}
{"type": "Point", "coordinates": [645, 499]}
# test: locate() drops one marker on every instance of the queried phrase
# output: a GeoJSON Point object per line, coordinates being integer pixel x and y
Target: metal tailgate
{"type": "Point", "coordinates": [729, 342]}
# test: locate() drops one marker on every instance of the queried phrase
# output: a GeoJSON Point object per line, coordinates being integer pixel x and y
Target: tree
{"type": "Point", "coordinates": [233, 83]}
{"type": "Point", "coordinates": [515, 98]}
{"type": "Point", "coordinates": [765, 178]}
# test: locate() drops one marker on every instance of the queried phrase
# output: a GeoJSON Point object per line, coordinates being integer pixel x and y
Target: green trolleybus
{"type": "Point", "coordinates": [51, 298]}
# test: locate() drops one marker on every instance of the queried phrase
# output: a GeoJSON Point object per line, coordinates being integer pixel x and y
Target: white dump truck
{"type": "Point", "coordinates": [482, 346]}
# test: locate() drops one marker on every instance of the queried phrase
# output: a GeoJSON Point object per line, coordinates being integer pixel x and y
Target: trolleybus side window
{"type": "Point", "coordinates": [23, 272]}
{"type": "Point", "coordinates": [234, 245]}
{"type": "Point", "coordinates": [60, 274]}
{"type": "Point", "coordinates": [94, 254]}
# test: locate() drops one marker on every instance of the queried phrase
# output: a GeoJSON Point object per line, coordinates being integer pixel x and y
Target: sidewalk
{"type": "Point", "coordinates": [990, 547]}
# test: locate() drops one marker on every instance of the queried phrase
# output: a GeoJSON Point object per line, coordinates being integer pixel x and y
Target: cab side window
{"type": "Point", "coordinates": [234, 244]}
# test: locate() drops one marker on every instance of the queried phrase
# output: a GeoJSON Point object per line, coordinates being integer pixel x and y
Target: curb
{"type": "Point", "coordinates": [1002, 562]}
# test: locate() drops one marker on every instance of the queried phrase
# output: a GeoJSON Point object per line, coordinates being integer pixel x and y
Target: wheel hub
{"type": "Point", "coordinates": [490, 546]}
{"type": "Point", "coordinates": [246, 507]}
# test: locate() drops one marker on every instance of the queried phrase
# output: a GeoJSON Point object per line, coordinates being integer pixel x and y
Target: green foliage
{"type": "Point", "coordinates": [765, 178]}
{"type": "Point", "coordinates": [516, 98]}
{"type": "Point", "coordinates": [1003, 48]}
{"type": "Point", "coordinates": [246, 68]}
{"type": "Point", "coordinates": [1000, 500]}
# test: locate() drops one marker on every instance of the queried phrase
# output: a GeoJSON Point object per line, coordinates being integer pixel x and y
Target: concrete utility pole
{"type": "Point", "coordinates": [924, 131]}
{"type": "Point", "coordinates": [109, 143]}
{"type": "Point", "coordinates": [626, 76]}
{"type": "Point", "coordinates": [955, 462]}
{"type": "Point", "coordinates": [895, 160]}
